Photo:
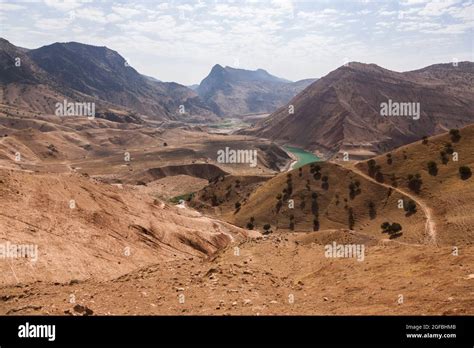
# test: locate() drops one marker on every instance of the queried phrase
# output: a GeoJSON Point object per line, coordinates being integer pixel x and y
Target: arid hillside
{"type": "Point", "coordinates": [86, 229]}
{"type": "Point", "coordinates": [115, 249]}
{"type": "Point", "coordinates": [322, 196]}
{"type": "Point", "coordinates": [448, 194]}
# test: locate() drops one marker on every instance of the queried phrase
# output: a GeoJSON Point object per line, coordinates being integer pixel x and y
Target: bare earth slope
{"type": "Point", "coordinates": [86, 229]}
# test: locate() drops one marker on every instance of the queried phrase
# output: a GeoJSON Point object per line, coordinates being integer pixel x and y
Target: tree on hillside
{"type": "Point", "coordinates": [448, 148]}
{"type": "Point", "coordinates": [444, 158]}
{"type": "Point", "coordinates": [389, 158]}
{"type": "Point", "coordinates": [455, 135]}
{"type": "Point", "coordinates": [424, 140]}
{"type": "Point", "coordinates": [393, 179]}
{"type": "Point", "coordinates": [379, 176]}
{"type": "Point", "coordinates": [432, 168]}
{"type": "Point", "coordinates": [292, 222]}
{"type": "Point", "coordinates": [315, 168]}
{"type": "Point", "coordinates": [465, 172]}
{"type": "Point", "coordinates": [410, 207]}
{"type": "Point", "coordinates": [392, 229]}
{"type": "Point", "coordinates": [267, 229]}
{"type": "Point", "coordinates": [371, 164]}
{"type": "Point", "coordinates": [385, 226]}
{"type": "Point", "coordinates": [325, 183]}
{"type": "Point", "coordinates": [315, 225]}
{"type": "Point", "coordinates": [354, 189]}
{"type": "Point", "coordinates": [372, 211]}
{"type": "Point", "coordinates": [351, 220]}
{"type": "Point", "coordinates": [415, 182]}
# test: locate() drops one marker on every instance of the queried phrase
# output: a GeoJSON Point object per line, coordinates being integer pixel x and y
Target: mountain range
{"type": "Point", "coordinates": [38, 78]}
{"type": "Point", "coordinates": [342, 110]}
{"type": "Point", "coordinates": [235, 92]}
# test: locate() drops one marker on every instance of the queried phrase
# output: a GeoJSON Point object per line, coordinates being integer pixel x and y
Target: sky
{"type": "Point", "coordinates": [181, 40]}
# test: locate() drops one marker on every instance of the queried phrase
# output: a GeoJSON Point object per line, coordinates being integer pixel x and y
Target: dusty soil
{"type": "Point", "coordinates": [281, 274]}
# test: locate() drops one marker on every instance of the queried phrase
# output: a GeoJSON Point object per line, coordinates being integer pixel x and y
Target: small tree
{"type": "Point", "coordinates": [266, 229]}
{"type": "Point", "coordinates": [379, 176]}
{"type": "Point", "coordinates": [432, 168]}
{"type": "Point", "coordinates": [315, 225]}
{"type": "Point", "coordinates": [325, 183]}
{"type": "Point", "coordinates": [389, 158]}
{"type": "Point", "coordinates": [455, 135]}
{"type": "Point", "coordinates": [409, 207]}
{"type": "Point", "coordinates": [425, 140]}
{"type": "Point", "coordinates": [385, 226]}
{"type": "Point", "coordinates": [415, 182]}
{"type": "Point", "coordinates": [448, 148]}
{"type": "Point", "coordinates": [444, 158]}
{"type": "Point", "coordinates": [237, 205]}
{"type": "Point", "coordinates": [292, 222]}
{"type": "Point", "coordinates": [249, 226]}
{"type": "Point", "coordinates": [465, 172]}
{"type": "Point", "coordinates": [371, 164]}
{"type": "Point", "coordinates": [372, 211]}
{"type": "Point", "coordinates": [395, 228]}
{"type": "Point", "coordinates": [351, 219]}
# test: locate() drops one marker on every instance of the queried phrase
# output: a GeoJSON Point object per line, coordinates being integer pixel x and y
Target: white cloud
{"type": "Point", "coordinates": [10, 7]}
{"type": "Point", "coordinates": [63, 5]}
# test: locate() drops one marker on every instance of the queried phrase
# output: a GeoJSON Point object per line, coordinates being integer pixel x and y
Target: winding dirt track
{"type": "Point", "coordinates": [430, 225]}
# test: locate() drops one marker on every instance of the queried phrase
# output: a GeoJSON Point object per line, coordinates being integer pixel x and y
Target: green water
{"type": "Point", "coordinates": [304, 157]}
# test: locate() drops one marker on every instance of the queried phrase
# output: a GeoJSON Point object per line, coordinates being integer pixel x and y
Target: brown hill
{"type": "Point", "coordinates": [448, 196]}
{"type": "Point", "coordinates": [341, 111]}
{"type": "Point", "coordinates": [106, 232]}
{"type": "Point", "coordinates": [315, 206]}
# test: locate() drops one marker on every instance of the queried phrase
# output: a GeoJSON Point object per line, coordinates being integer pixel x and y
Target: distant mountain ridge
{"type": "Point", "coordinates": [81, 71]}
{"type": "Point", "coordinates": [341, 111]}
{"type": "Point", "coordinates": [232, 92]}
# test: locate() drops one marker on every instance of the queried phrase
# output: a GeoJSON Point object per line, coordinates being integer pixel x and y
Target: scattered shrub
{"type": "Point", "coordinates": [432, 168]}
{"type": "Point", "coordinates": [409, 207]}
{"type": "Point", "coordinates": [465, 172]}
{"type": "Point", "coordinates": [415, 182]}
{"type": "Point", "coordinates": [351, 219]}
{"type": "Point", "coordinates": [372, 211]}
{"type": "Point", "coordinates": [455, 135]}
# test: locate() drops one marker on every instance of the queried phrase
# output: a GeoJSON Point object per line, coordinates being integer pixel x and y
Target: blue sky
{"type": "Point", "coordinates": [181, 40]}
